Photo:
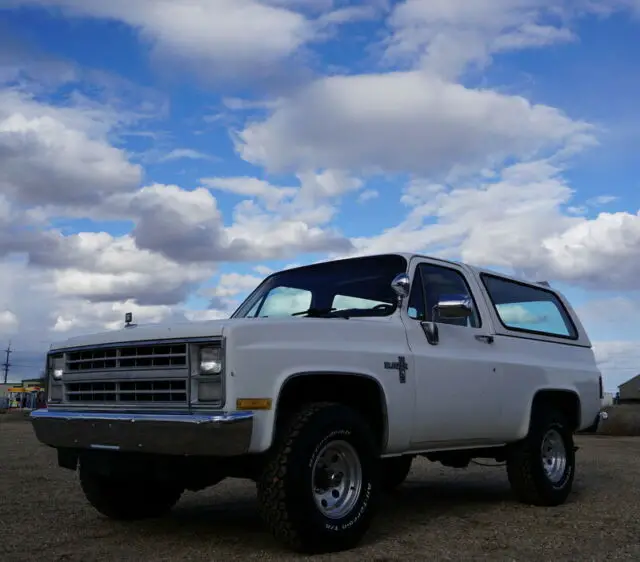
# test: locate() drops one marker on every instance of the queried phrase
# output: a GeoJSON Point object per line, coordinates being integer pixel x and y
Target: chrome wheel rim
{"type": "Point", "coordinates": [554, 456]}
{"type": "Point", "coordinates": [336, 479]}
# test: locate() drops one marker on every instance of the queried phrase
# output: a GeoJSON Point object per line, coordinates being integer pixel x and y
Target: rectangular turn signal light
{"type": "Point", "coordinates": [253, 404]}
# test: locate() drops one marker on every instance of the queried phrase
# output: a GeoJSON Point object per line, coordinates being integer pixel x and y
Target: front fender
{"type": "Point", "coordinates": [263, 355]}
{"type": "Point", "coordinates": [264, 429]}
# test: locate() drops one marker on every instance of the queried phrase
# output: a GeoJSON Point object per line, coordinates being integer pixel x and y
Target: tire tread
{"type": "Point", "coordinates": [272, 492]}
{"type": "Point", "coordinates": [122, 500]}
{"type": "Point", "coordinates": [521, 465]}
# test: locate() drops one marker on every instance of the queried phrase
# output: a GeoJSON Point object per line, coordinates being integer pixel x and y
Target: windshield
{"type": "Point", "coordinates": [342, 288]}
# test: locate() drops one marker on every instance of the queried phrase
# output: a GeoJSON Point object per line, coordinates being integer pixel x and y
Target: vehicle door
{"type": "Point", "coordinates": [458, 380]}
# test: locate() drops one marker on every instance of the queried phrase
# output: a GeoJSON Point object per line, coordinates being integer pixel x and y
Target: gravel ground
{"type": "Point", "coordinates": [438, 514]}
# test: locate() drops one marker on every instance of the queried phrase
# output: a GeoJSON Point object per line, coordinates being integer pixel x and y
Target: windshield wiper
{"type": "Point", "coordinates": [316, 312]}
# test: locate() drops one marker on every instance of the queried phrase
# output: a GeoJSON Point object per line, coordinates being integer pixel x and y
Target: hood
{"type": "Point", "coordinates": [147, 332]}
{"type": "Point", "coordinates": [185, 330]}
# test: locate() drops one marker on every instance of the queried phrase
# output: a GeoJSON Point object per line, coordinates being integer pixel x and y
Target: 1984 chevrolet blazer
{"type": "Point", "coordinates": [322, 387]}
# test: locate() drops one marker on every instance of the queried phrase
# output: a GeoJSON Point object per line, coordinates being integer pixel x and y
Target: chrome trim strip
{"type": "Point", "coordinates": [133, 343]}
{"type": "Point", "coordinates": [211, 434]}
{"type": "Point", "coordinates": [124, 407]}
{"type": "Point", "coordinates": [214, 417]}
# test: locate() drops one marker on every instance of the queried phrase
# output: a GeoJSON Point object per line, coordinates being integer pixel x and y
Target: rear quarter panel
{"type": "Point", "coordinates": [533, 362]}
{"type": "Point", "coordinates": [530, 366]}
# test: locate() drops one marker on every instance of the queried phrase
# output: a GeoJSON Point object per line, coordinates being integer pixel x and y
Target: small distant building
{"type": "Point", "coordinates": [29, 393]}
{"type": "Point", "coordinates": [629, 392]}
{"type": "Point", "coordinates": [34, 385]}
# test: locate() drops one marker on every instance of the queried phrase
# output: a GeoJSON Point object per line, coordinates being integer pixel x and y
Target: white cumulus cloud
{"type": "Point", "coordinates": [404, 122]}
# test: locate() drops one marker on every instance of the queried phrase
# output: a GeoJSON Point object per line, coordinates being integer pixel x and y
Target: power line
{"type": "Point", "coordinates": [6, 363]}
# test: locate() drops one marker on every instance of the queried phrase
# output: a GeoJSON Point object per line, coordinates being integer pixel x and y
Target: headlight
{"type": "Point", "coordinates": [57, 366]}
{"type": "Point", "coordinates": [210, 360]}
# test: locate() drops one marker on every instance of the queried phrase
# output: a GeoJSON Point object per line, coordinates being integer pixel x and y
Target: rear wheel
{"type": "Point", "coordinates": [319, 490]}
{"type": "Point", "coordinates": [395, 471]}
{"type": "Point", "coordinates": [541, 468]}
{"type": "Point", "coordinates": [128, 497]}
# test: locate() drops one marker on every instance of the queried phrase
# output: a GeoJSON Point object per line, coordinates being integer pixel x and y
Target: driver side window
{"type": "Point", "coordinates": [434, 283]}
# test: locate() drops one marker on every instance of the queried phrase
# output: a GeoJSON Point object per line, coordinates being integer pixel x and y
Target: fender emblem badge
{"type": "Point", "coordinates": [400, 365]}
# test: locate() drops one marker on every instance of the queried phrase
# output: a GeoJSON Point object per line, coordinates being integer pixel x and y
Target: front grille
{"type": "Point", "coordinates": [128, 391]}
{"type": "Point", "coordinates": [127, 358]}
{"type": "Point", "coordinates": [130, 375]}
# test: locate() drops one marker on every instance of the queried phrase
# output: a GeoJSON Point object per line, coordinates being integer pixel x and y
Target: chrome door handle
{"type": "Point", "coordinates": [485, 339]}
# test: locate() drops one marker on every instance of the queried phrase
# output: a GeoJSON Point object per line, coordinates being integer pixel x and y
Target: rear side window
{"type": "Point", "coordinates": [524, 308]}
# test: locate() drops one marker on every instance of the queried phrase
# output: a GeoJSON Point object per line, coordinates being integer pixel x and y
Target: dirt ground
{"type": "Point", "coordinates": [438, 514]}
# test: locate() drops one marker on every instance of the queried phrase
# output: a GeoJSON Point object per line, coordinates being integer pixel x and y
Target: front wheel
{"type": "Point", "coordinates": [128, 498]}
{"type": "Point", "coordinates": [541, 468]}
{"type": "Point", "coordinates": [320, 488]}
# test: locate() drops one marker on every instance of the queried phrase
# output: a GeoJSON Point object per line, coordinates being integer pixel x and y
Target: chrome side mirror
{"type": "Point", "coordinates": [401, 286]}
{"type": "Point", "coordinates": [448, 308]}
{"type": "Point", "coordinates": [453, 308]}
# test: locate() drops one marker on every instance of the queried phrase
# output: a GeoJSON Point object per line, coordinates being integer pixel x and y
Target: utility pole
{"type": "Point", "coordinates": [6, 363]}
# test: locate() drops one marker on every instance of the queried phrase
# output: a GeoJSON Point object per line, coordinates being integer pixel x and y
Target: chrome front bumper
{"type": "Point", "coordinates": [220, 434]}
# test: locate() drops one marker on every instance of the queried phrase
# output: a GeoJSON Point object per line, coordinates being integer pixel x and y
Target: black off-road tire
{"type": "Point", "coordinates": [285, 494]}
{"type": "Point", "coordinates": [128, 498]}
{"type": "Point", "coordinates": [525, 469]}
{"type": "Point", "coordinates": [394, 471]}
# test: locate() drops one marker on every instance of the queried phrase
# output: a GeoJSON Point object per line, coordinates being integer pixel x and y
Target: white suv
{"type": "Point", "coordinates": [322, 387]}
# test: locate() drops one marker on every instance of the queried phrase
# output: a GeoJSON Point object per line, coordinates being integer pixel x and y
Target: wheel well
{"type": "Point", "coordinates": [360, 392]}
{"type": "Point", "coordinates": [564, 401]}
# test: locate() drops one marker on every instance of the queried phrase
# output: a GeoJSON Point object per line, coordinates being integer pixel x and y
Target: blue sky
{"type": "Point", "coordinates": [161, 157]}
